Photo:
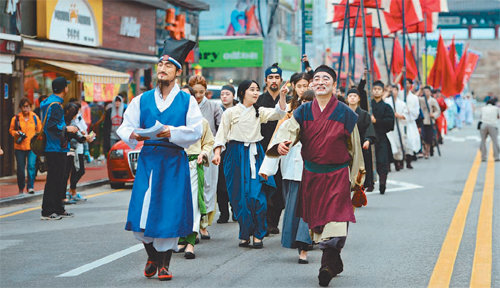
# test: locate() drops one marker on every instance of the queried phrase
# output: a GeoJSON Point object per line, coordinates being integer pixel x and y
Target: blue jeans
{"type": "Point", "coordinates": [21, 156]}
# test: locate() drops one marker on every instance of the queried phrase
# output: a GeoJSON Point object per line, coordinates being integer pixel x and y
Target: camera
{"type": "Point", "coordinates": [21, 137]}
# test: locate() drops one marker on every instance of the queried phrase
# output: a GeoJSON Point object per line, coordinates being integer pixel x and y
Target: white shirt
{"type": "Point", "coordinates": [291, 164]}
{"type": "Point", "coordinates": [240, 124]}
{"type": "Point", "coordinates": [182, 136]}
{"type": "Point", "coordinates": [490, 114]}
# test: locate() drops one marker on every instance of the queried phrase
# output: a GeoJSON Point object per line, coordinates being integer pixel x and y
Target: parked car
{"type": "Point", "coordinates": [122, 164]}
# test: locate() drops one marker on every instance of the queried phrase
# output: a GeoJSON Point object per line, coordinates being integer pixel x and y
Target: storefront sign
{"type": "Point", "coordinates": [288, 56]}
{"type": "Point", "coordinates": [129, 27]}
{"type": "Point", "coordinates": [100, 92]}
{"type": "Point", "coordinates": [231, 53]}
{"type": "Point", "coordinates": [308, 20]}
{"type": "Point", "coordinates": [72, 21]}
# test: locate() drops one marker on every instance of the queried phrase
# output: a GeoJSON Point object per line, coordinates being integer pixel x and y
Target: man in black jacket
{"type": "Point", "coordinates": [383, 122]}
{"type": "Point", "coordinates": [275, 201]}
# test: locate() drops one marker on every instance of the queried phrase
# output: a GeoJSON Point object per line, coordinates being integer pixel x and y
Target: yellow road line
{"type": "Point", "coordinates": [104, 193]}
{"type": "Point", "coordinates": [443, 269]}
{"type": "Point", "coordinates": [40, 207]}
{"type": "Point", "coordinates": [20, 212]}
{"type": "Point", "coordinates": [481, 267]}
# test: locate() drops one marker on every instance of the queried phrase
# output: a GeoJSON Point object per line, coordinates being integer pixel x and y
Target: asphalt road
{"type": "Point", "coordinates": [396, 241]}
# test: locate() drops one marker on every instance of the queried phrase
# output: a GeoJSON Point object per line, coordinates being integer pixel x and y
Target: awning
{"type": "Point", "coordinates": [90, 73]}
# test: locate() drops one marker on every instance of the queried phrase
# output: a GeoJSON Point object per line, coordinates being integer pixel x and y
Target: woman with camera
{"type": "Point", "coordinates": [23, 127]}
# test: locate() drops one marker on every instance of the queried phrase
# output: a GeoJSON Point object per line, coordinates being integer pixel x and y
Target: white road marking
{"type": "Point", "coordinates": [402, 186]}
{"type": "Point", "coordinates": [102, 261]}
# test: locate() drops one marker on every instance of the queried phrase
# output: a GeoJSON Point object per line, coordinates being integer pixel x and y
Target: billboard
{"type": "Point", "coordinates": [231, 53]}
{"type": "Point", "coordinates": [233, 18]}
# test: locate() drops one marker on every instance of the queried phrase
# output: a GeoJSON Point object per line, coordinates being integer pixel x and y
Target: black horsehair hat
{"type": "Point", "coordinates": [176, 51]}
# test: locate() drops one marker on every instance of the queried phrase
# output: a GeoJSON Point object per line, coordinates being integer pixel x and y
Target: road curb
{"type": "Point", "coordinates": [26, 198]}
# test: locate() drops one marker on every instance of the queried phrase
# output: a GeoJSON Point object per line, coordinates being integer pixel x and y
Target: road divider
{"type": "Point", "coordinates": [443, 269]}
{"type": "Point", "coordinates": [40, 207]}
{"type": "Point", "coordinates": [481, 267]}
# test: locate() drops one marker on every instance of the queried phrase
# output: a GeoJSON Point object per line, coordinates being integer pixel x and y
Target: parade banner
{"type": "Point", "coordinates": [97, 92]}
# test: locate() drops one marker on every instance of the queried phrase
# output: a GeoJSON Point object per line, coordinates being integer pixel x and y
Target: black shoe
{"type": "Point", "coordinates": [205, 237]}
{"type": "Point", "coordinates": [369, 189]}
{"type": "Point", "coordinates": [382, 189]}
{"type": "Point", "coordinates": [197, 240]}
{"type": "Point", "coordinates": [324, 277]}
{"type": "Point", "coordinates": [150, 269]}
{"type": "Point", "coordinates": [273, 230]}
{"type": "Point", "coordinates": [67, 214]}
{"type": "Point", "coordinates": [303, 261]}
{"type": "Point", "coordinates": [222, 221]}
{"type": "Point", "coordinates": [189, 255]}
{"type": "Point", "coordinates": [258, 245]}
{"type": "Point", "coordinates": [181, 249]}
{"type": "Point", "coordinates": [153, 260]}
{"type": "Point", "coordinates": [245, 243]}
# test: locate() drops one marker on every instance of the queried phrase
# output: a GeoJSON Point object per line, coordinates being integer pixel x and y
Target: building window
{"type": "Point", "coordinates": [483, 33]}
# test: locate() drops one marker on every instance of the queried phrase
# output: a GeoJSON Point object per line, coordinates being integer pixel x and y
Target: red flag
{"type": "Point", "coordinates": [452, 53]}
{"type": "Point", "coordinates": [432, 21]}
{"type": "Point", "coordinates": [470, 65]}
{"type": "Point", "coordinates": [397, 58]}
{"type": "Point", "coordinates": [434, 5]}
{"type": "Point", "coordinates": [339, 11]}
{"type": "Point", "coordinates": [435, 75]}
{"type": "Point", "coordinates": [448, 81]}
{"type": "Point", "coordinates": [413, 11]}
{"type": "Point", "coordinates": [460, 71]}
{"type": "Point", "coordinates": [411, 66]}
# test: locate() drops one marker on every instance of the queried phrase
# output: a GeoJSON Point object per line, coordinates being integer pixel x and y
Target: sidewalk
{"type": "Point", "coordinates": [95, 174]}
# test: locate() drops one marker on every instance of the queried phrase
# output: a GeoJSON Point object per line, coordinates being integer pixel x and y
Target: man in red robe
{"type": "Point", "coordinates": [333, 158]}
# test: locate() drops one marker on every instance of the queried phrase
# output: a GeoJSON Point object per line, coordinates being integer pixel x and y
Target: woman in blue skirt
{"type": "Point", "coordinates": [239, 134]}
{"type": "Point", "coordinates": [295, 232]}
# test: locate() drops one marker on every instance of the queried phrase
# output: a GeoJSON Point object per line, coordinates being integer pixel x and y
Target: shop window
{"type": "Point", "coordinates": [483, 33]}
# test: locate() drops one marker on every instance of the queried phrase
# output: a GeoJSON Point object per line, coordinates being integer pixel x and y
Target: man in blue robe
{"type": "Point", "coordinates": [160, 209]}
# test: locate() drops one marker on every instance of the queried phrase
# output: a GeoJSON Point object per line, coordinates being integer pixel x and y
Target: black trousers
{"type": "Point", "coordinates": [367, 157]}
{"type": "Point", "coordinates": [55, 185]}
{"type": "Point", "coordinates": [76, 175]}
{"type": "Point", "coordinates": [275, 200]}
{"type": "Point", "coordinates": [222, 194]}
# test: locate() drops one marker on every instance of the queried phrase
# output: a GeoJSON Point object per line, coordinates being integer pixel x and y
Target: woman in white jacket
{"type": "Point", "coordinates": [295, 232]}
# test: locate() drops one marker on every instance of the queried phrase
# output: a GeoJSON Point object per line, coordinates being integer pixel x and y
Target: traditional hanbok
{"type": "Point", "coordinates": [160, 212]}
{"type": "Point", "coordinates": [202, 147]}
{"type": "Point", "coordinates": [413, 143]}
{"type": "Point", "coordinates": [212, 112]}
{"type": "Point", "coordinates": [332, 160]}
{"type": "Point", "coordinates": [240, 134]}
{"type": "Point", "coordinates": [393, 136]}
{"type": "Point", "coordinates": [295, 232]}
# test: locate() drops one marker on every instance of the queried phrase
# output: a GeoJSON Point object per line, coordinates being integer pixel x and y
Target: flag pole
{"type": "Point", "coordinates": [413, 55]}
{"type": "Point", "coordinates": [404, 82]}
{"type": "Point", "coordinates": [354, 44]}
{"type": "Point", "coordinates": [367, 60]}
{"type": "Point", "coordinates": [382, 40]}
{"type": "Point", "coordinates": [303, 7]}
{"type": "Point", "coordinates": [342, 44]}
{"type": "Point", "coordinates": [348, 49]}
{"type": "Point", "coordinates": [404, 47]}
{"type": "Point", "coordinates": [425, 48]}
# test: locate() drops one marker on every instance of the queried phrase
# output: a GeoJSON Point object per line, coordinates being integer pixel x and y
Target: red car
{"type": "Point", "coordinates": [122, 164]}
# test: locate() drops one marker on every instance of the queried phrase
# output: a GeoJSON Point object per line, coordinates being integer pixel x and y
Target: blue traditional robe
{"type": "Point", "coordinates": [161, 204]}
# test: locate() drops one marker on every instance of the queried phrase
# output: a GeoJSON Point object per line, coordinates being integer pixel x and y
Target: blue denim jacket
{"type": "Point", "coordinates": [55, 127]}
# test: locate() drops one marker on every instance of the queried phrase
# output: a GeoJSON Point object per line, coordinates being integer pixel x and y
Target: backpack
{"type": "Point", "coordinates": [39, 140]}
